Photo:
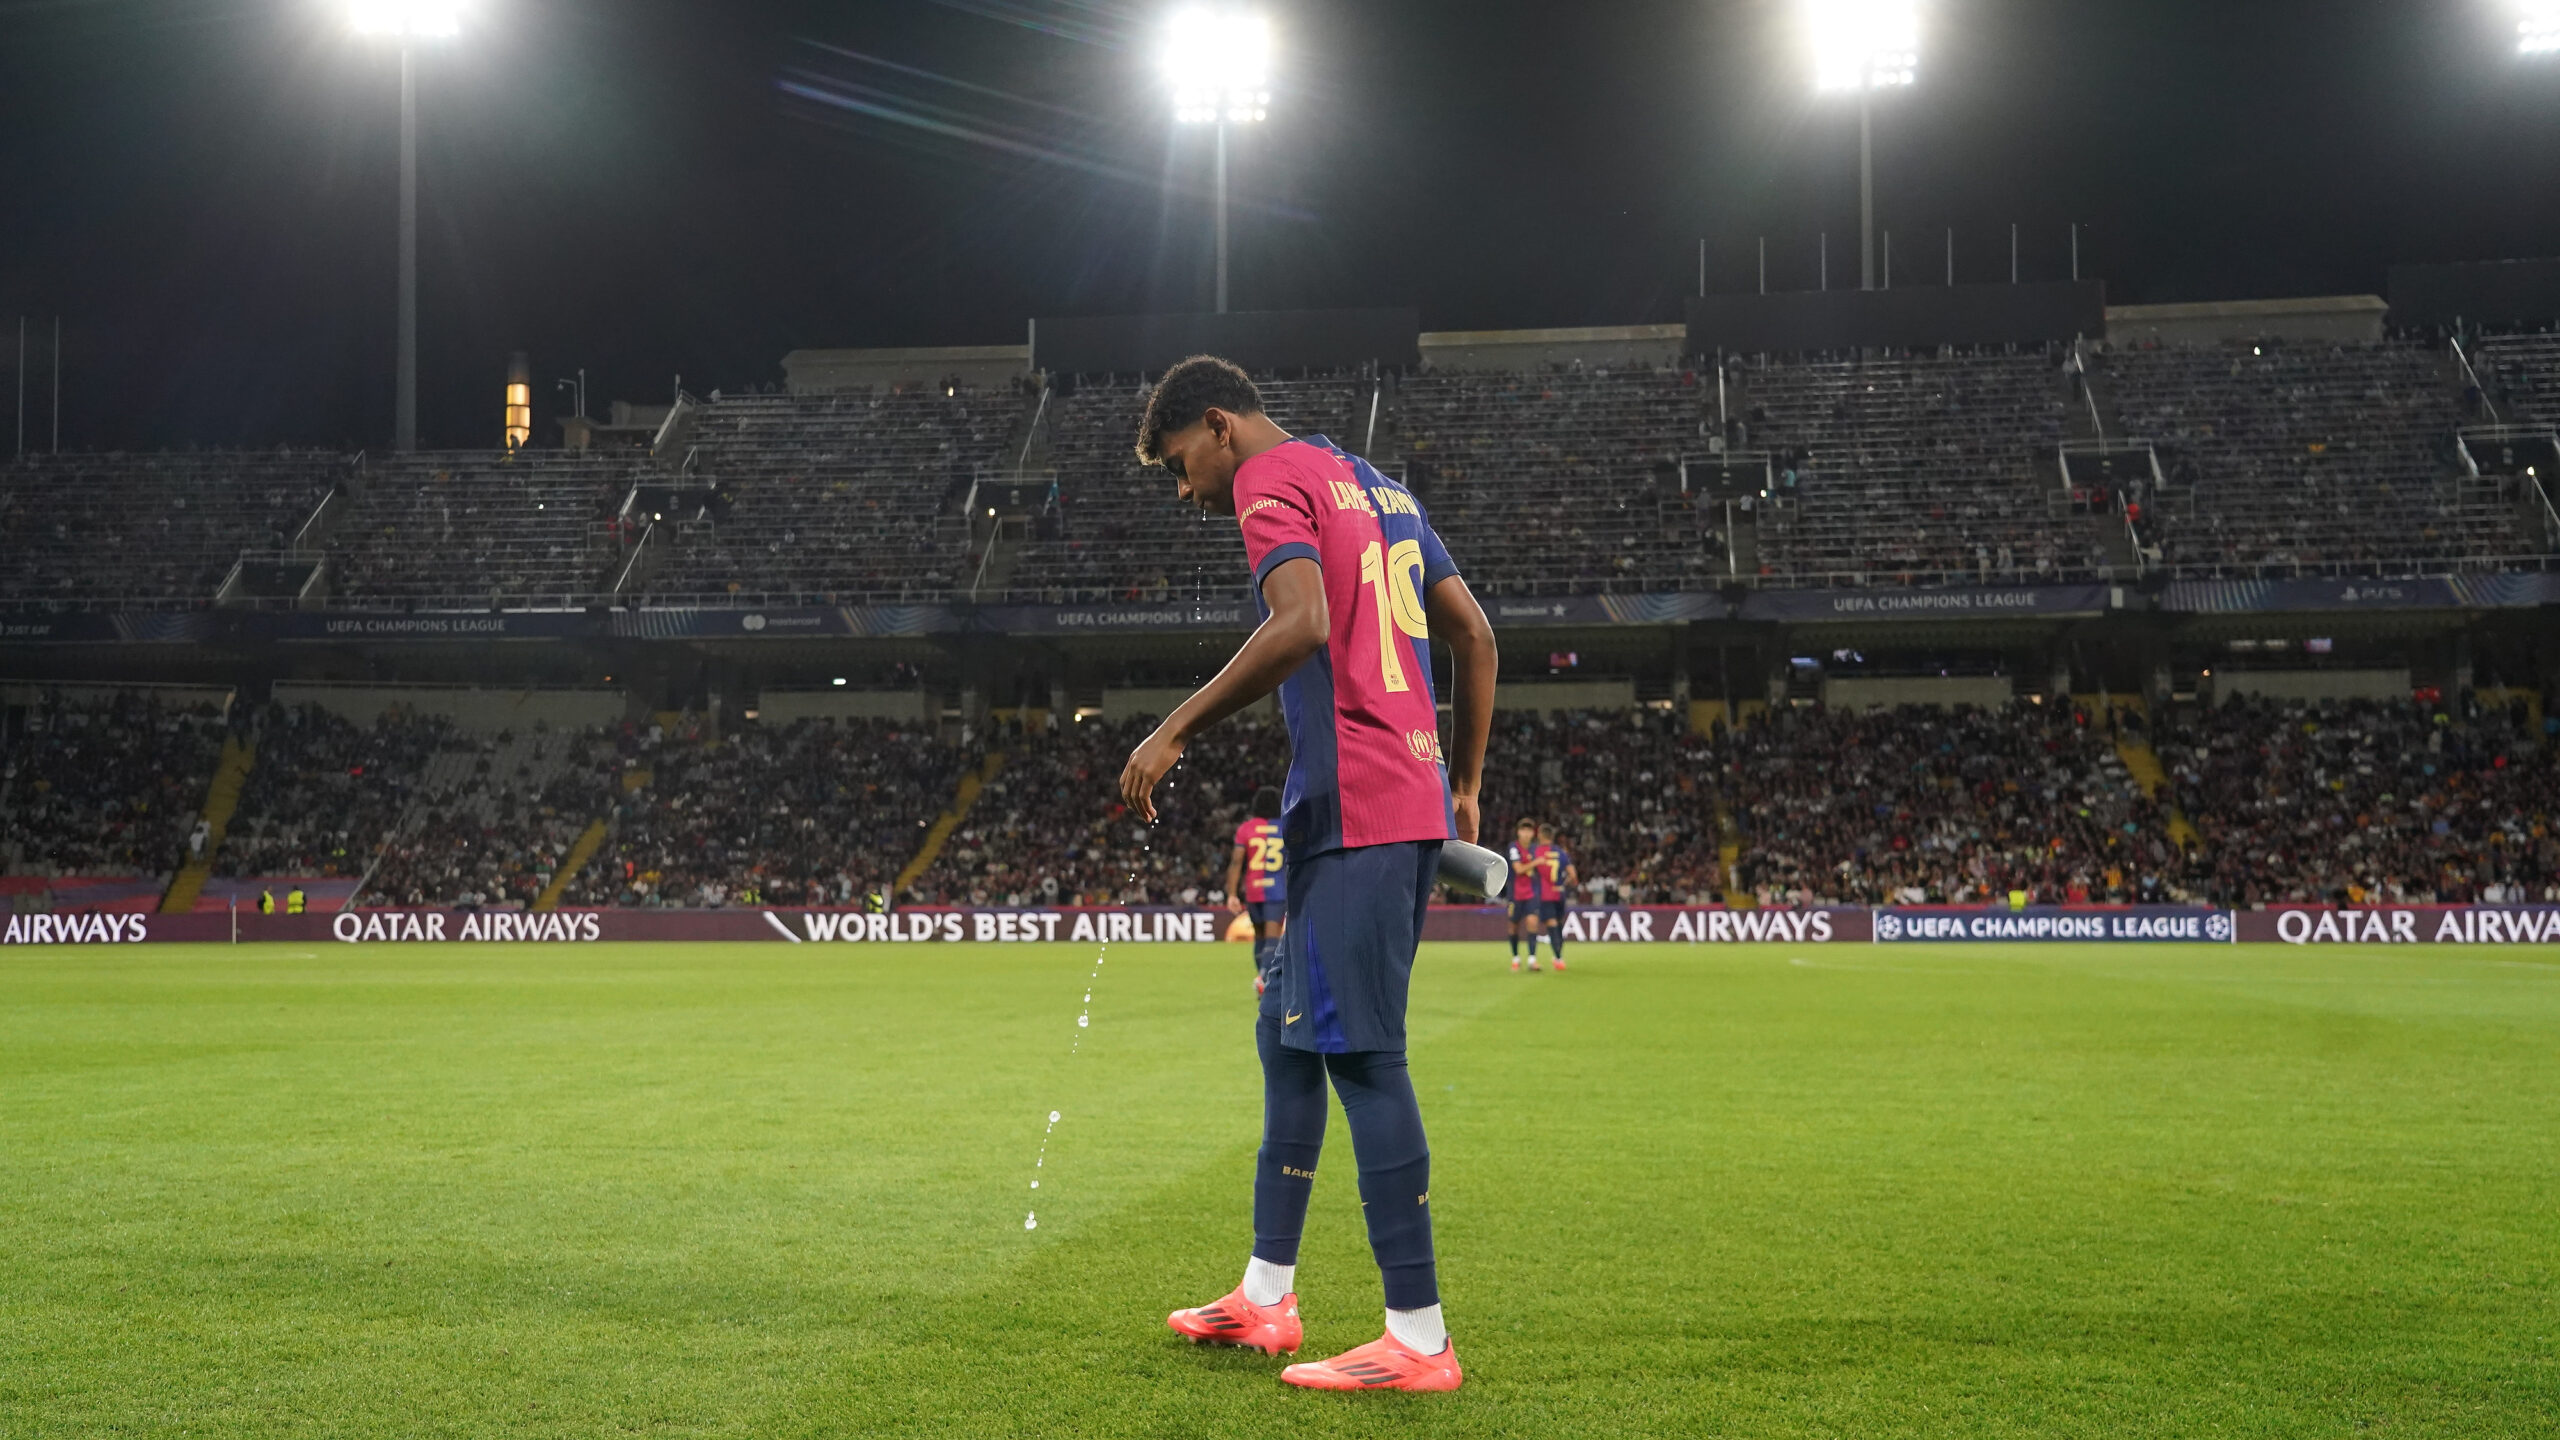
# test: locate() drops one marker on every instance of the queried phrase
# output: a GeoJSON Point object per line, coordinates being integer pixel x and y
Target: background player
{"type": "Point", "coordinates": [1524, 890]}
{"type": "Point", "coordinates": [1556, 882]}
{"type": "Point", "coordinates": [1255, 883]}
{"type": "Point", "coordinates": [1352, 584]}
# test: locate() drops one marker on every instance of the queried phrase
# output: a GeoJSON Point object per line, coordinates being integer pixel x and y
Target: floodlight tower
{"type": "Point", "coordinates": [1218, 65]}
{"type": "Point", "coordinates": [1866, 46]}
{"type": "Point", "coordinates": [2537, 28]}
{"type": "Point", "coordinates": [407, 21]}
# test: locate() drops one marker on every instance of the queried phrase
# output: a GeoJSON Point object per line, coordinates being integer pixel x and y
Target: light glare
{"type": "Point", "coordinates": [406, 17]}
{"type": "Point", "coordinates": [1863, 44]}
{"type": "Point", "coordinates": [1218, 63]}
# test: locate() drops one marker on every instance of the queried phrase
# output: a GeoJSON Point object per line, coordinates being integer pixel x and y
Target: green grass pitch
{"type": "Point", "coordinates": [774, 1191]}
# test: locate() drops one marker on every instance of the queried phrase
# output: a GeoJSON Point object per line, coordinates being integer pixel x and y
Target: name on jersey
{"type": "Point", "coordinates": [1348, 496]}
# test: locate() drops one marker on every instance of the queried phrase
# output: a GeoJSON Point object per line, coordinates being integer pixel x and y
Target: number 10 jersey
{"type": "Point", "coordinates": [1365, 766]}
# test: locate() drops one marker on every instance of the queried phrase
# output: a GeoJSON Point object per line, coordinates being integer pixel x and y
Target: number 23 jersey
{"type": "Point", "coordinates": [1365, 765]}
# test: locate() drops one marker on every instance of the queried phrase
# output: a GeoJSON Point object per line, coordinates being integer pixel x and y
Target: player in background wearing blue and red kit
{"type": "Point", "coordinates": [1255, 883]}
{"type": "Point", "coordinates": [1555, 885]}
{"type": "Point", "coordinates": [1353, 586]}
{"type": "Point", "coordinates": [1524, 859]}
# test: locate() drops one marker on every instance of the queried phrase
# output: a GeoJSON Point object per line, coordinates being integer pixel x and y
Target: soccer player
{"type": "Point", "coordinates": [1255, 883]}
{"type": "Point", "coordinates": [1555, 884]}
{"type": "Point", "coordinates": [1352, 585]}
{"type": "Point", "coordinates": [1524, 898]}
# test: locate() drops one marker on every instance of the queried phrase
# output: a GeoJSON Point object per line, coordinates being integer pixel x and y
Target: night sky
{"type": "Point", "coordinates": [205, 189]}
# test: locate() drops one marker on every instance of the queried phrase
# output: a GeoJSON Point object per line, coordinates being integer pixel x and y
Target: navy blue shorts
{"type": "Point", "coordinates": [1346, 962]}
{"type": "Point", "coordinates": [1263, 912]}
{"type": "Point", "coordinates": [1551, 911]}
{"type": "Point", "coordinates": [1523, 910]}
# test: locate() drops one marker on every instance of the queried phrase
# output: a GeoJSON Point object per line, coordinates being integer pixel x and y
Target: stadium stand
{"type": "Point", "coordinates": [325, 792]}
{"type": "Point", "coordinates": [835, 497]}
{"type": "Point", "coordinates": [2522, 375]}
{"type": "Point", "coordinates": [527, 529]}
{"type": "Point", "coordinates": [817, 812]}
{"type": "Point", "coordinates": [1630, 795]}
{"type": "Point", "coordinates": [1117, 530]}
{"type": "Point", "coordinates": [1916, 470]}
{"type": "Point", "coordinates": [1050, 829]}
{"type": "Point", "coordinates": [1926, 806]}
{"type": "Point", "coordinates": [2367, 802]}
{"type": "Point", "coordinates": [105, 786]}
{"type": "Point", "coordinates": [152, 531]}
{"type": "Point", "coordinates": [1562, 482]}
{"type": "Point", "coordinates": [2285, 460]}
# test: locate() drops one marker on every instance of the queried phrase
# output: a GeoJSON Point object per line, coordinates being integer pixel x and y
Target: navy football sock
{"type": "Point", "coordinates": [1555, 942]}
{"type": "Point", "coordinates": [1284, 1174]}
{"type": "Point", "coordinates": [1515, 944]}
{"type": "Point", "coordinates": [1395, 1172]}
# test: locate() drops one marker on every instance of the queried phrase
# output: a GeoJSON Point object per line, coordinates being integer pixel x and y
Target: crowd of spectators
{"type": "Point", "coordinates": [325, 792]}
{"type": "Point", "coordinates": [1904, 469]}
{"type": "Point", "coordinates": [149, 530]}
{"type": "Point", "coordinates": [1629, 794]}
{"type": "Point", "coordinates": [1050, 828]}
{"type": "Point", "coordinates": [528, 528]}
{"type": "Point", "coordinates": [814, 812]}
{"type": "Point", "coordinates": [1114, 530]}
{"type": "Point", "coordinates": [108, 785]}
{"type": "Point", "coordinates": [497, 816]}
{"type": "Point", "coordinates": [1961, 806]}
{"type": "Point", "coordinates": [2283, 460]}
{"type": "Point", "coordinates": [1564, 482]}
{"type": "Point", "coordinates": [2367, 801]}
{"type": "Point", "coordinates": [835, 498]}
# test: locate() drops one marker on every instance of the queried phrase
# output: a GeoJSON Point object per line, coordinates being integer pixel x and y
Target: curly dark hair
{"type": "Point", "coordinates": [1185, 394]}
{"type": "Point", "coordinates": [1266, 803]}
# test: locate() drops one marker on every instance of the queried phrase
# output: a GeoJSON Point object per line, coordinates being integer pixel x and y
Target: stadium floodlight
{"type": "Point", "coordinates": [2537, 28]}
{"type": "Point", "coordinates": [407, 21]}
{"type": "Point", "coordinates": [1865, 46]}
{"type": "Point", "coordinates": [426, 18]}
{"type": "Point", "coordinates": [1217, 64]}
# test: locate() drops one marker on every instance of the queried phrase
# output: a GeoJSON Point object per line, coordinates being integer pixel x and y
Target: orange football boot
{"type": "Point", "coordinates": [1385, 1363]}
{"type": "Point", "coordinates": [1271, 1329]}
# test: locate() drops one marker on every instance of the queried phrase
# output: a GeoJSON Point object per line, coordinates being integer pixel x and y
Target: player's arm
{"type": "Point", "coordinates": [1235, 880]}
{"type": "Point", "coordinates": [1299, 625]}
{"type": "Point", "coordinates": [1458, 622]}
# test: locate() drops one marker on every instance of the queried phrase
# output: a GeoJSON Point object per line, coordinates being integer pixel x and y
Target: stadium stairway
{"type": "Point", "coordinates": [2143, 764]}
{"type": "Point", "coordinates": [221, 801]}
{"type": "Point", "coordinates": [589, 842]}
{"type": "Point", "coordinates": [940, 833]}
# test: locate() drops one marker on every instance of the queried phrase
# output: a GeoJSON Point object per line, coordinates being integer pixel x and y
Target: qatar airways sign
{"type": "Point", "coordinates": [2406, 925]}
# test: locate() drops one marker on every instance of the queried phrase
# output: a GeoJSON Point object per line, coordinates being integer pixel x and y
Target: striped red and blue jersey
{"type": "Point", "coordinates": [1365, 766]}
{"type": "Point", "coordinates": [1263, 879]}
{"type": "Point", "coordinates": [1549, 868]}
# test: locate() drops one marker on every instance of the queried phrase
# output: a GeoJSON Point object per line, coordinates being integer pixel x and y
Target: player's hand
{"type": "Point", "coordinates": [1235, 905]}
{"type": "Point", "coordinates": [1464, 810]}
{"type": "Point", "coordinates": [1147, 764]}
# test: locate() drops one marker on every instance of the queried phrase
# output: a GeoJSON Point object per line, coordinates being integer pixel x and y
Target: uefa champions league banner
{"type": "Point", "coordinates": [2154, 923]}
{"type": "Point", "coordinates": [2041, 602]}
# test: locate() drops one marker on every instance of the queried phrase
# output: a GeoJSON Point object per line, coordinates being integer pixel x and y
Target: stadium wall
{"type": "Point", "coordinates": [1550, 696]}
{"type": "Point", "coordinates": [1885, 692]}
{"type": "Point", "coordinates": [469, 709]}
{"type": "Point", "coordinates": [1255, 339]}
{"type": "Point", "coordinates": [781, 707]}
{"type": "Point", "coordinates": [2316, 320]}
{"type": "Point", "coordinates": [2513, 925]}
{"type": "Point", "coordinates": [1601, 347]}
{"type": "Point", "coordinates": [1910, 319]}
{"type": "Point", "coordinates": [819, 372]}
{"type": "Point", "coordinates": [2230, 685]}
